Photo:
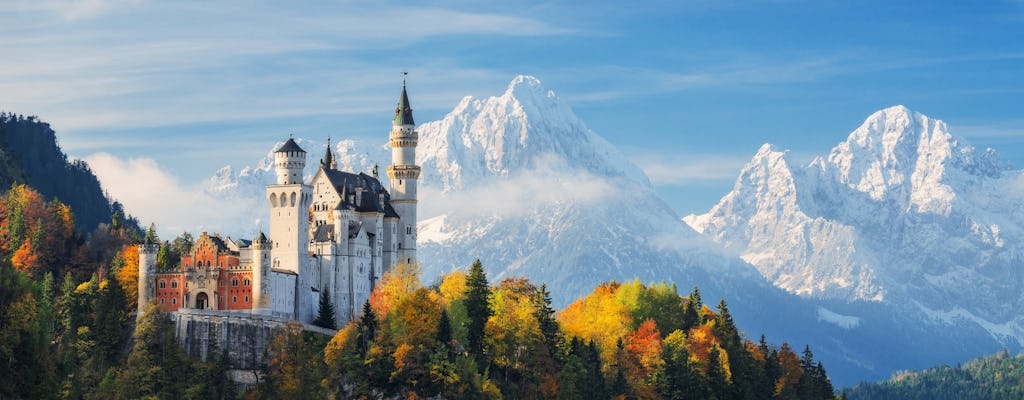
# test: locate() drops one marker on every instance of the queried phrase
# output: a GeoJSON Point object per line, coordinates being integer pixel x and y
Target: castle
{"type": "Point", "coordinates": [338, 233]}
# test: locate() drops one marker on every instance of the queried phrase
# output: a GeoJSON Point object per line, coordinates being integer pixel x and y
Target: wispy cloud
{"type": "Point", "coordinates": [678, 170]}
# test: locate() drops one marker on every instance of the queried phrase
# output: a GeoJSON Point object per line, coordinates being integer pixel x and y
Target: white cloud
{"type": "Point", "coordinates": [678, 170]}
{"type": "Point", "coordinates": [154, 195]}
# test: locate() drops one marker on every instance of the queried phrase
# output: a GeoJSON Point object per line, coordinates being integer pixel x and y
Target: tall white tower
{"type": "Point", "coordinates": [147, 275]}
{"type": "Point", "coordinates": [404, 173]}
{"type": "Point", "coordinates": [261, 295]}
{"type": "Point", "coordinates": [289, 209]}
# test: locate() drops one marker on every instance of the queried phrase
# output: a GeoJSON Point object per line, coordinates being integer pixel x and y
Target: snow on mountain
{"type": "Point", "coordinates": [521, 183]}
{"type": "Point", "coordinates": [902, 213]}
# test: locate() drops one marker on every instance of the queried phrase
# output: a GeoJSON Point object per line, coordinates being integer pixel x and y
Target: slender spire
{"type": "Point", "coordinates": [403, 113]}
{"type": "Point", "coordinates": [328, 161]}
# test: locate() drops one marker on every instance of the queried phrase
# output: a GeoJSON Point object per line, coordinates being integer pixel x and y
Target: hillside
{"type": "Point", "coordinates": [29, 154]}
{"type": "Point", "coordinates": [995, 377]}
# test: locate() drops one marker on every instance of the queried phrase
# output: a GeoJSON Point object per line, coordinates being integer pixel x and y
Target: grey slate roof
{"type": "Point", "coordinates": [289, 147]}
{"type": "Point", "coordinates": [346, 182]}
{"type": "Point", "coordinates": [324, 233]}
{"type": "Point", "coordinates": [403, 112]}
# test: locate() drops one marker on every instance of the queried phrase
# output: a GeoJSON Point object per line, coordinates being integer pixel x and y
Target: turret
{"type": "Point", "coordinates": [260, 274]}
{"type": "Point", "coordinates": [404, 173]}
{"type": "Point", "coordinates": [328, 161]}
{"type": "Point", "coordinates": [289, 161]}
{"type": "Point", "coordinates": [147, 274]}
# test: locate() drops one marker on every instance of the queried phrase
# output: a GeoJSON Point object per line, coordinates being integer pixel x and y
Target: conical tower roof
{"type": "Point", "coordinates": [403, 113]}
{"type": "Point", "coordinates": [328, 161]}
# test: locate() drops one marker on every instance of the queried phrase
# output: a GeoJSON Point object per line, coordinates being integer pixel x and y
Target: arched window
{"type": "Point", "coordinates": [174, 301]}
{"type": "Point", "coordinates": [174, 284]}
{"type": "Point", "coordinates": [246, 299]}
{"type": "Point", "coordinates": [161, 301]}
{"type": "Point", "coordinates": [234, 299]}
{"type": "Point", "coordinates": [273, 200]}
{"type": "Point", "coordinates": [246, 282]}
{"type": "Point", "coordinates": [234, 282]}
{"type": "Point", "coordinates": [292, 202]}
{"type": "Point", "coordinates": [163, 284]}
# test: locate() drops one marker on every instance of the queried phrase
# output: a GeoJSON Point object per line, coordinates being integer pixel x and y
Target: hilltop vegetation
{"type": "Point", "coordinates": [461, 338]}
{"type": "Point", "coordinates": [466, 339]}
{"type": "Point", "coordinates": [995, 377]}
{"type": "Point", "coordinates": [29, 154]}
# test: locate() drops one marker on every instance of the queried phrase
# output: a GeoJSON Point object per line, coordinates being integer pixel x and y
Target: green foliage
{"type": "Point", "coordinates": [325, 317]}
{"type": "Point", "coordinates": [478, 294]}
{"type": "Point", "coordinates": [993, 377]}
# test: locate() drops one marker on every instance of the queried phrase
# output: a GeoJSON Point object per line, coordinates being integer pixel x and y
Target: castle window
{"type": "Point", "coordinates": [246, 282]}
{"type": "Point", "coordinates": [234, 299]}
{"type": "Point", "coordinates": [174, 301]}
{"type": "Point", "coordinates": [408, 230]}
{"type": "Point", "coordinates": [161, 301]}
{"type": "Point", "coordinates": [246, 299]}
{"type": "Point", "coordinates": [174, 284]}
{"type": "Point", "coordinates": [163, 285]}
{"type": "Point", "coordinates": [234, 282]}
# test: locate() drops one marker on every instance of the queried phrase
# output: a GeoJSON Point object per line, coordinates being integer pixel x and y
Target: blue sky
{"type": "Point", "coordinates": [688, 89]}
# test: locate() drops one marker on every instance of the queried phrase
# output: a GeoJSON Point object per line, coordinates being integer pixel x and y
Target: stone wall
{"type": "Point", "coordinates": [204, 334]}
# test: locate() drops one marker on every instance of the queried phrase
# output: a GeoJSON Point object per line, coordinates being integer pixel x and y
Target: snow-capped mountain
{"type": "Point", "coordinates": [902, 213]}
{"type": "Point", "coordinates": [520, 182]}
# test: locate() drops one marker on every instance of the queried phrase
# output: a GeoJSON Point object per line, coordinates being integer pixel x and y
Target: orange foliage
{"type": "Point", "coordinates": [791, 371]}
{"type": "Point", "coordinates": [128, 276]}
{"type": "Point", "coordinates": [418, 314]}
{"type": "Point", "coordinates": [699, 342]}
{"type": "Point", "coordinates": [643, 348]}
{"type": "Point", "coordinates": [25, 259]}
{"type": "Point", "coordinates": [401, 281]}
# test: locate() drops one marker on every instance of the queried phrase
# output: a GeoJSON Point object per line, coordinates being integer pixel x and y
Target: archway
{"type": "Point", "coordinates": [202, 300]}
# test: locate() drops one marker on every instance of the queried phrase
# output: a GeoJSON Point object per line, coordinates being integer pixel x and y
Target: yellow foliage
{"type": "Point", "coordinates": [452, 287]}
{"type": "Point", "coordinates": [128, 276]}
{"type": "Point", "coordinates": [418, 314]}
{"type": "Point", "coordinates": [25, 260]}
{"type": "Point", "coordinates": [334, 348]}
{"type": "Point", "coordinates": [512, 331]}
{"type": "Point", "coordinates": [401, 281]}
{"type": "Point", "coordinates": [599, 317]}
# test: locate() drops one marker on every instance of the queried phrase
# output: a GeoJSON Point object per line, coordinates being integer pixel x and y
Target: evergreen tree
{"type": "Point", "coordinates": [478, 309]}
{"type": "Point", "coordinates": [444, 329]}
{"type": "Point", "coordinates": [691, 314]}
{"type": "Point", "coordinates": [545, 315]}
{"type": "Point", "coordinates": [325, 318]}
{"type": "Point", "coordinates": [151, 236]}
{"type": "Point", "coordinates": [163, 258]}
{"type": "Point", "coordinates": [367, 329]}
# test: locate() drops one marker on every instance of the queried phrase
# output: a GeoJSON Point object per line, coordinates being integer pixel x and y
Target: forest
{"type": "Point", "coordinates": [67, 298]}
{"type": "Point", "coordinates": [995, 377]}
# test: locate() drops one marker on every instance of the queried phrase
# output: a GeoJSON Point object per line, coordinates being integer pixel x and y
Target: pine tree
{"type": "Point", "coordinates": [325, 318]}
{"type": "Point", "coordinates": [444, 329]}
{"type": "Point", "coordinates": [367, 329]}
{"type": "Point", "coordinates": [151, 236]}
{"type": "Point", "coordinates": [545, 315]}
{"type": "Point", "coordinates": [478, 309]}
{"type": "Point", "coordinates": [691, 314]}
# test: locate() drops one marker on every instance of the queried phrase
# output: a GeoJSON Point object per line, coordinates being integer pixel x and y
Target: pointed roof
{"type": "Point", "coordinates": [403, 112]}
{"type": "Point", "coordinates": [328, 161]}
{"type": "Point", "coordinates": [261, 238]}
{"type": "Point", "coordinates": [289, 147]}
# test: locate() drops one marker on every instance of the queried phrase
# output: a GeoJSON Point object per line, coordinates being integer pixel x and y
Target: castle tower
{"type": "Point", "coordinates": [260, 270]}
{"type": "Point", "coordinates": [289, 208]}
{"type": "Point", "coordinates": [403, 173]}
{"type": "Point", "coordinates": [147, 275]}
